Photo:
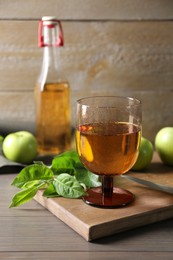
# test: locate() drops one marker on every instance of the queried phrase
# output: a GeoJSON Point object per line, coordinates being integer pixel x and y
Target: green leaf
{"type": "Point", "coordinates": [30, 184]}
{"type": "Point", "coordinates": [63, 165]}
{"type": "Point", "coordinates": [88, 178]}
{"type": "Point", "coordinates": [39, 162]}
{"type": "Point", "coordinates": [25, 195]}
{"type": "Point", "coordinates": [67, 177]}
{"type": "Point", "coordinates": [32, 173]}
{"type": "Point", "coordinates": [50, 192]}
{"type": "Point", "coordinates": [70, 154]}
{"type": "Point", "coordinates": [66, 162]}
{"type": "Point", "coordinates": [67, 186]}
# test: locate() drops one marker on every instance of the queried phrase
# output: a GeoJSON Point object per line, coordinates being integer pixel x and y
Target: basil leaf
{"type": "Point", "coordinates": [67, 177]}
{"type": "Point", "coordinates": [63, 165]}
{"type": "Point", "coordinates": [31, 173]}
{"type": "Point", "coordinates": [88, 178]}
{"type": "Point", "coordinates": [67, 186]}
{"type": "Point", "coordinates": [30, 184]}
{"type": "Point", "coordinates": [39, 162]}
{"type": "Point", "coordinates": [71, 154]}
{"type": "Point", "coordinates": [66, 162]}
{"type": "Point", "coordinates": [25, 195]}
{"type": "Point", "coordinates": [50, 192]}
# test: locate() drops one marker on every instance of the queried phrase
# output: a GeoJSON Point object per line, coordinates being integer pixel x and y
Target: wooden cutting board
{"type": "Point", "coordinates": [148, 207]}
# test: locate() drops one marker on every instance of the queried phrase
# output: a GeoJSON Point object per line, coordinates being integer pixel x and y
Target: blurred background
{"type": "Point", "coordinates": [112, 47]}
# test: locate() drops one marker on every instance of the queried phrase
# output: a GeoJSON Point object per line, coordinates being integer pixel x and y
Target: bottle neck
{"type": "Point", "coordinates": [49, 71]}
{"type": "Point", "coordinates": [50, 58]}
{"type": "Point", "coordinates": [50, 55]}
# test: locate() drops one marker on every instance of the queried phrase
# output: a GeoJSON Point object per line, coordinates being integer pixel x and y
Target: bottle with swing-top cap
{"type": "Point", "coordinates": [52, 98]}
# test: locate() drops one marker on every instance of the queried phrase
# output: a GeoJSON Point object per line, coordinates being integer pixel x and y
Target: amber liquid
{"type": "Point", "coordinates": [52, 118]}
{"type": "Point", "coordinates": [108, 149]}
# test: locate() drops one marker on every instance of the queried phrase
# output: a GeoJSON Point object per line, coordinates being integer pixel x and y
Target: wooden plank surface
{"type": "Point", "coordinates": [142, 65]}
{"type": "Point", "coordinates": [92, 223]}
{"type": "Point", "coordinates": [88, 9]}
{"type": "Point", "coordinates": [119, 55]}
{"type": "Point", "coordinates": [105, 58]}
{"type": "Point", "coordinates": [87, 255]}
{"type": "Point", "coordinates": [32, 232]}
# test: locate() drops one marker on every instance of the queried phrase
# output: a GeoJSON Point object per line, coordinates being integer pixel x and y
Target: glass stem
{"type": "Point", "coordinates": [107, 186]}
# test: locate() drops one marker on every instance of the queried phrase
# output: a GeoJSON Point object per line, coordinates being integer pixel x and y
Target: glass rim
{"type": "Point", "coordinates": [136, 101]}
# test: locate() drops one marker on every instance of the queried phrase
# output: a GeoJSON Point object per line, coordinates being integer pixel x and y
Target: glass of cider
{"type": "Point", "coordinates": [108, 134]}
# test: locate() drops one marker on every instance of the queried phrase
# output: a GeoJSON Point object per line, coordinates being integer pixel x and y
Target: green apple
{"type": "Point", "coordinates": [145, 155]}
{"type": "Point", "coordinates": [164, 145]}
{"type": "Point", "coordinates": [20, 147]}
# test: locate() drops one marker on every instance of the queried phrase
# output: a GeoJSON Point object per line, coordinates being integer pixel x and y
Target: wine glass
{"type": "Point", "coordinates": [108, 133]}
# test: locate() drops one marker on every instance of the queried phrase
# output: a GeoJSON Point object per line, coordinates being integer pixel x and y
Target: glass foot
{"type": "Point", "coordinates": [119, 198]}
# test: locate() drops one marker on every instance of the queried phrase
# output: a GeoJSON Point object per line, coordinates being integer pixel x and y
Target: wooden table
{"type": "Point", "coordinates": [32, 232]}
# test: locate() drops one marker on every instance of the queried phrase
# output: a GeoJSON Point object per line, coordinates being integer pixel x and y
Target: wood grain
{"type": "Point", "coordinates": [25, 233]}
{"type": "Point", "coordinates": [92, 223]}
{"type": "Point", "coordinates": [86, 255]}
{"type": "Point", "coordinates": [88, 9]}
{"type": "Point", "coordinates": [131, 51]}
{"type": "Point", "coordinates": [118, 55]}
{"type": "Point", "coordinates": [105, 58]}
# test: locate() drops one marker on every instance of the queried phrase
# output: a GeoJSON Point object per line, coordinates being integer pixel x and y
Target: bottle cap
{"type": "Point", "coordinates": [50, 22]}
{"type": "Point", "coordinates": [48, 18]}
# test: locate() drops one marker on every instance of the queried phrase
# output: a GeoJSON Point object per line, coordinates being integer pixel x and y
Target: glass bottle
{"type": "Point", "coordinates": [52, 99]}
